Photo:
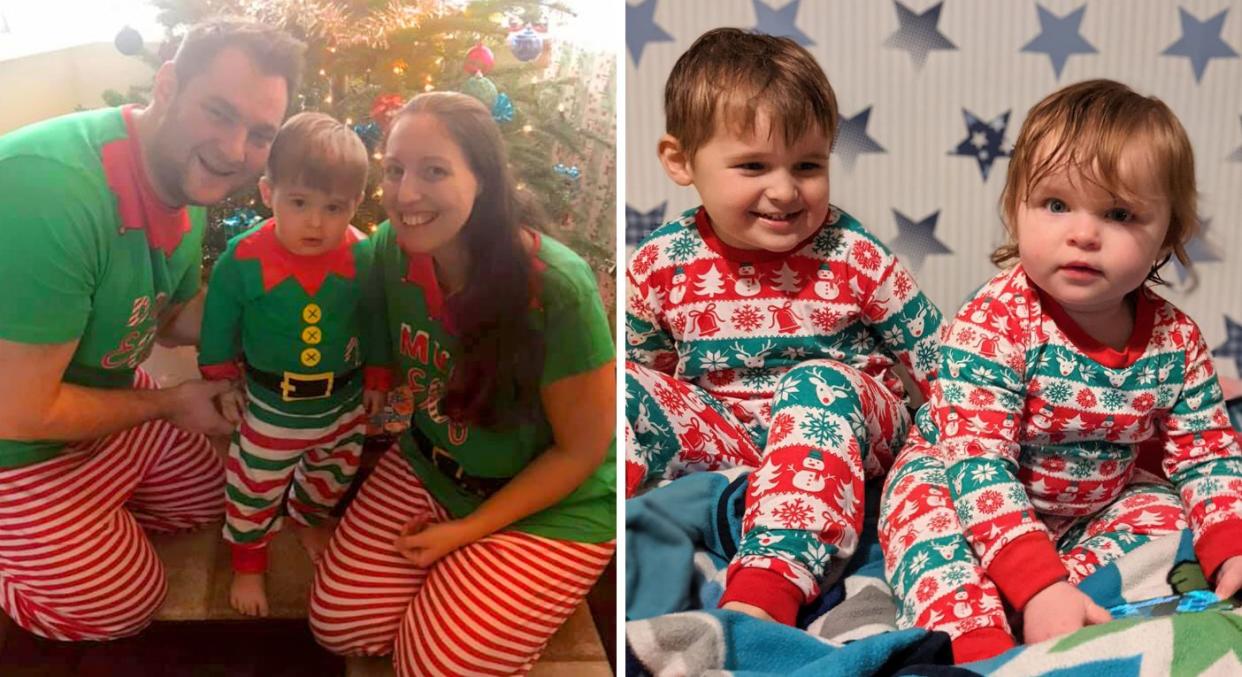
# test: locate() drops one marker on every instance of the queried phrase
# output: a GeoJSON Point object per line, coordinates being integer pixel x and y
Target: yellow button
{"type": "Point", "coordinates": [310, 357]}
{"type": "Point", "coordinates": [312, 335]}
{"type": "Point", "coordinates": [311, 313]}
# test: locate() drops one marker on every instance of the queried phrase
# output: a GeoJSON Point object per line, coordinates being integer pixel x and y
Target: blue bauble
{"type": "Point", "coordinates": [526, 44]}
{"type": "Point", "coordinates": [482, 89]}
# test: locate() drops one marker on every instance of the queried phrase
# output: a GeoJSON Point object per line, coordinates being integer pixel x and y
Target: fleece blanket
{"type": "Point", "coordinates": [680, 537]}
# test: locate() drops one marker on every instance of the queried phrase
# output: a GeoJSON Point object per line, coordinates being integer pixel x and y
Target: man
{"type": "Point", "coordinates": [100, 256]}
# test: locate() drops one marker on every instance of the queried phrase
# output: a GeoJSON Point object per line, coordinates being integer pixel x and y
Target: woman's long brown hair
{"type": "Point", "coordinates": [495, 379]}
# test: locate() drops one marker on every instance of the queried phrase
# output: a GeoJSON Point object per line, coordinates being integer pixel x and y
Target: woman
{"type": "Point", "coordinates": [482, 529]}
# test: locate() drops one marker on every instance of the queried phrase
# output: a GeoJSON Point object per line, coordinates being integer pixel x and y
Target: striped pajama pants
{"type": "Point", "coordinates": [284, 464]}
{"type": "Point", "coordinates": [488, 608]}
{"type": "Point", "coordinates": [74, 561]}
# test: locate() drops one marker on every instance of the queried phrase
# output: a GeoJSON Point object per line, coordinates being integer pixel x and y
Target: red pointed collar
{"type": "Point", "coordinates": [421, 271]}
{"type": "Point", "coordinates": [137, 205]}
{"type": "Point", "coordinates": [279, 264]}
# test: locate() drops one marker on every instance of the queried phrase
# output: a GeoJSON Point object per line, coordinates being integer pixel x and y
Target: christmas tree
{"type": "Point", "coordinates": [554, 102]}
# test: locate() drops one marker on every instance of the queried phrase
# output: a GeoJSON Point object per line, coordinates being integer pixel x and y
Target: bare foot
{"type": "Point", "coordinates": [315, 539]}
{"type": "Point", "coordinates": [248, 594]}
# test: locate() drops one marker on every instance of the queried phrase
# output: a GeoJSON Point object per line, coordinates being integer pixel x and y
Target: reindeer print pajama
{"type": "Point", "coordinates": [783, 363]}
{"type": "Point", "coordinates": [1021, 471]}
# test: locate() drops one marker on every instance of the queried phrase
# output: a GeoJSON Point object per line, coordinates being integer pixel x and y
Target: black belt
{"type": "Point", "coordinates": [294, 387]}
{"type": "Point", "coordinates": [446, 464]}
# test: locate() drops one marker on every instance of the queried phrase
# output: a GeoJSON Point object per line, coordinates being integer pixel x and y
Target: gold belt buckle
{"type": "Point", "coordinates": [288, 385]}
{"type": "Point", "coordinates": [437, 451]}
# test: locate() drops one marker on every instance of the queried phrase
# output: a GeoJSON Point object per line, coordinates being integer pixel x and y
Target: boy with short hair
{"type": "Point", "coordinates": [283, 307]}
{"type": "Point", "coordinates": [765, 327]}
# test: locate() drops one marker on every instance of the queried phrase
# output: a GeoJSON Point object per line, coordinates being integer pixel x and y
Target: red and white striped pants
{"type": "Point", "coordinates": [74, 561]}
{"type": "Point", "coordinates": [488, 608]}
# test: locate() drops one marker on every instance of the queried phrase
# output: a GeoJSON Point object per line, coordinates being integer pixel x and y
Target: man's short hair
{"type": "Point", "coordinates": [728, 75]}
{"type": "Point", "coordinates": [274, 51]}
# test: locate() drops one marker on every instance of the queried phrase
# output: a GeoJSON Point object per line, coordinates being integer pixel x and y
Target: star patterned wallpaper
{"type": "Point", "coordinates": [932, 94]}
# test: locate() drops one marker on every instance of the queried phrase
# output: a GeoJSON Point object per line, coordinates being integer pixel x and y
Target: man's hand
{"type": "Point", "coordinates": [233, 405]}
{"type": "Point", "coordinates": [1060, 609]}
{"type": "Point", "coordinates": [192, 407]}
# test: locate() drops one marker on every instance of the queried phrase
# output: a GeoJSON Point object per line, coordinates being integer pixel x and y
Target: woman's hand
{"type": "Point", "coordinates": [1060, 609]}
{"type": "Point", "coordinates": [424, 542]}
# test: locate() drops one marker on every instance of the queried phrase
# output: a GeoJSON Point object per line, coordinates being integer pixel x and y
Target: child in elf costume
{"type": "Point", "coordinates": [283, 313]}
{"type": "Point", "coordinates": [1019, 479]}
{"type": "Point", "coordinates": [765, 327]}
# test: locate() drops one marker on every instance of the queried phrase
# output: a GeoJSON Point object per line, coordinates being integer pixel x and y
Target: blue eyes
{"type": "Point", "coordinates": [1117, 214]}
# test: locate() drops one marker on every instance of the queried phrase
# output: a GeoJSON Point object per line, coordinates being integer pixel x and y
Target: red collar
{"type": "Point", "coordinates": [421, 271]}
{"type": "Point", "coordinates": [1140, 336]}
{"type": "Point", "coordinates": [137, 205]}
{"type": "Point", "coordinates": [279, 264]}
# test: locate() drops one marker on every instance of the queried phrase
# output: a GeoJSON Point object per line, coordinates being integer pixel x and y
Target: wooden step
{"type": "Point", "coordinates": [199, 575]}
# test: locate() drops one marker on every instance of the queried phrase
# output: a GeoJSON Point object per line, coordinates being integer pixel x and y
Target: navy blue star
{"type": "Point", "coordinates": [1198, 250]}
{"type": "Point", "coordinates": [1237, 153]}
{"type": "Point", "coordinates": [918, 33]}
{"type": "Point", "coordinates": [915, 241]}
{"type": "Point", "coordinates": [1059, 37]}
{"type": "Point", "coordinates": [640, 224]}
{"type": "Point", "coordinates": [852, 139]}
{"type": "Point", "coordinates": [1201, 42]}
{"type": "Point", "coordinates": [983, 140]}
{"type": "Point", "coordinates": [781, 22]}
{"type": "Point", "coordinates": [641, 28]}
{"type": "Point", "coordinates": [1232, 347]}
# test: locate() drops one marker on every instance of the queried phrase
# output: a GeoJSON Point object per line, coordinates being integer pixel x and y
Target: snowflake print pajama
{"type": "Point", "coordinates": [783, 364]}
{"type": "Point", "coordinates": [1021, 470]}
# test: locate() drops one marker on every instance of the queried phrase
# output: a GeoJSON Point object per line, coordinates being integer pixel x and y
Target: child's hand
{"type": "Point", "coordinates": [749, 610]}
{"type": "Point", "coordinates": [233, 405]}
{"type": "Point", "coordinates": [1229, 577]}
{"type": "Point", "coordinates": [423, 543]}
{"type": "Point", "coordinates": [374, 401]}
{"type": "Point", "coordinates": [1060, 609]}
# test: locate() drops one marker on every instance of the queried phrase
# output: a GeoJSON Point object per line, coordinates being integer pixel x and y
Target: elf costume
{"type": "Point", "coordinates": [781, 362]}
{"type": "Point", "coordinates": [89, 254]}
{"type": "Point", "coordinates": [1021, 470]}
{"type": "Point", "coordinates": [367, 597]}
{"type": "Point", "coordinates": [293, 326]}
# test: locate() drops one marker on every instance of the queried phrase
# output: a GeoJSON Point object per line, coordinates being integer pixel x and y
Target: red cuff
{"type": "Point", "coordinates": [767, 590]}
{"type": "Point", "coordinates": [981, 644]}
{"type": "Point", "coordinates": [377, 378]}
{"type": "Point", "coordinates": [224, 371]}
{"type": "Point", "coordinates": [1217, 545]}
{"type": "Point", "coordinates": [1025, 567]}
{"type": "Point", "coordinates": [249, 559]}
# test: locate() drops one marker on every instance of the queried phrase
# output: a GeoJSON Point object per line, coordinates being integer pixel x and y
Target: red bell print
{"type": "Point", "coordinates": [987, 346]}
{"type": "Point", "coordinates": [784, 318]}
{"type": "Point", "coordinates": [693, 440]}
{"type": "Point", "coordinates": [706, 321]}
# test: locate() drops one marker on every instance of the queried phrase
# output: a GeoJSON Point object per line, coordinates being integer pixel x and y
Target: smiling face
{"type": "Point", "coordinates": [214, 137]}
{"type": "Point", "coordinates": [309, 221]}
{"type": "Point", "coordinates": [760, 192]}
{"type": "Point", "coordinates": [1089, 247]}
{"type": "Point", "coordinates": [429, 187]}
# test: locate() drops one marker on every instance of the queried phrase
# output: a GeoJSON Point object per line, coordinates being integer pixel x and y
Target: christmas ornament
{"type": "Point", "coordinates": [128, 41]}
{"type": "Point", "coordinates": [384, 107]}
{"type": "Point", "coordinates": [369, 132]}
{"type": "Point", "coordinates": [526, 44]}
{"type": "Point", "coordinates": [502, 110]}
{"type": "Point", "coordinates": [239, 220]}
{"type": "Point", "coordinates": [571, 173]}
{"type": "Point", "coordinates": [482, 89]}
{"type": "Point", "coordinates": [479, 60]}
